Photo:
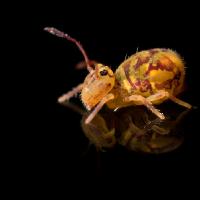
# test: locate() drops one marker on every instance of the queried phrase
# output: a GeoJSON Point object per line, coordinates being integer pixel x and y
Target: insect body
{"type": "Point", "coordinates": [145, 78]}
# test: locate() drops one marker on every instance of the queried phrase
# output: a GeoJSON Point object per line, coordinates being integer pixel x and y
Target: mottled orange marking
{"type": "Point", "coordinates": [165, 64]}
{"type": "Point", "coordinates": [143, 85]}
{"type": "Point", "coordinates": [126, 71]}
{"type": "Point", "coordinates": [141, 61]}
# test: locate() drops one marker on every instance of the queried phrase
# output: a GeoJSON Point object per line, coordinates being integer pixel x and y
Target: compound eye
{"type": "Point", "coordinates": [104, 72]}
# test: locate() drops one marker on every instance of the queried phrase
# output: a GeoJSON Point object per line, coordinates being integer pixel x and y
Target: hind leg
{"type": "Point", "coordinates": [180, 102]}
{"type": "Point", "coordinates": [163, 95]}
{"type": "Point", "coordinates": [158, 97]}
{"type": "Point", "coordinates": [140, 100]}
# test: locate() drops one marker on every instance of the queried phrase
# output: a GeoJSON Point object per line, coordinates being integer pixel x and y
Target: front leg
{"type": "Point", "coordinates": [70, 94]}
{"type": "Point", "coordinates": [105, 99]}
{"type": "Point", "coordinates": [140, 100]}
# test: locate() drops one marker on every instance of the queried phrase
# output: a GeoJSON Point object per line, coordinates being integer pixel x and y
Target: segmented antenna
{"type": "Point", "coordinates": [61, 34]}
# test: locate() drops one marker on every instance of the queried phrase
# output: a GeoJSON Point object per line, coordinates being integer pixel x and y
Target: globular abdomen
{"type": "Point", "coordinates": [149, 71]}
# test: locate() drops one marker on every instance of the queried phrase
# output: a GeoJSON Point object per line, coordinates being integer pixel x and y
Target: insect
{"type": "Point", "coordinates": [146, 78]}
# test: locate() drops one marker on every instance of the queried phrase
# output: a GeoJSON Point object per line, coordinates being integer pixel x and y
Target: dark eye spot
{"type": "Point", "coordinates": [104, 72]}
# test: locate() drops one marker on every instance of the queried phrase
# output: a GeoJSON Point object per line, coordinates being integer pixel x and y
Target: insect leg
{"type": "Point", "coordinates": [158, 97]}
{"type": "Point", "coordinates": [140, 100]}
{"type": "Point", "coordinates": [180, 102]}
{"type": "Point", "coordinates": [107, 98]}
{"type": "Point", "coordinates": [70, 94]}
{"type": "Point", "coordinates": [163, 95]}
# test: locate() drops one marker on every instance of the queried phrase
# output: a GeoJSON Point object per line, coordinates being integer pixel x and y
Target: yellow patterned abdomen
{"type": "Point", "coordinates": [146, 72]}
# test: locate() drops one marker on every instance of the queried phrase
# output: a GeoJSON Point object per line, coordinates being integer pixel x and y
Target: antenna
{"type": "Point", "coordinates": [61, 34]}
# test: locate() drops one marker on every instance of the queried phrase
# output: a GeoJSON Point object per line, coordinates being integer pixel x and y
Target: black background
{"type": "Point", "coordinates": [108, 33]}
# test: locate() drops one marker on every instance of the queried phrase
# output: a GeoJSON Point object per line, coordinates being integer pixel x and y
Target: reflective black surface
{"type": "Point", "coordinates": [135, 128]}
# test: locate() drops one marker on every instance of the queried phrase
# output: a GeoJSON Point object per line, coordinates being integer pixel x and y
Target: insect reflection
{"type": "Point", "coordinates": [135, 128]}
